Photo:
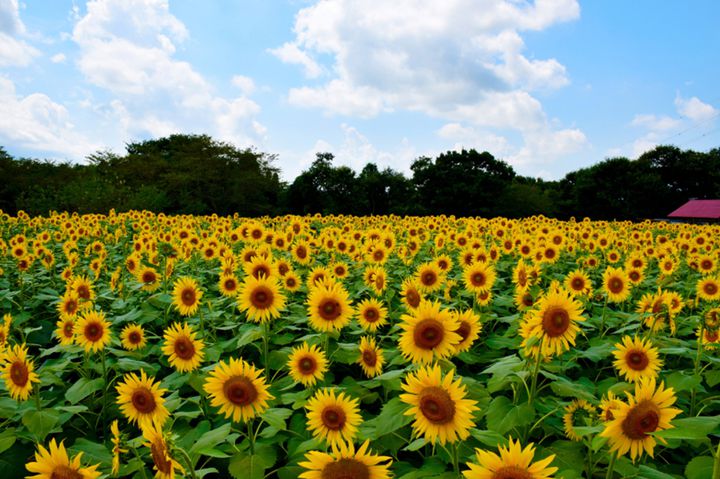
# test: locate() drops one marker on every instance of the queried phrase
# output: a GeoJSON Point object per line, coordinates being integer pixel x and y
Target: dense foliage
{"type": "Point", "coordinates": [198, 175]}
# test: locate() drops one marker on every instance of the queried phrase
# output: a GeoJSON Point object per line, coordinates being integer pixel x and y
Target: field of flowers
{"type": "Point", "coordinates": [142, 345]}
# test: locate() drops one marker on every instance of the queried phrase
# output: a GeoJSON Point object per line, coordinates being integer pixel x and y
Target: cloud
{"type": "Point", "coordinates": [292, 54]}
{"type": "Point", "coordinates": [694, 109]}
{"type": "Point", "coordinates": [245, 84]}
{"type": "Point", "coordinates": [38, 123]}
{"type": "Point", "coordinates": [13, 51]}
{"type": "Point", "coordinates": [58, 58]}
{"type": "Point", "coordinates": [656, 123]}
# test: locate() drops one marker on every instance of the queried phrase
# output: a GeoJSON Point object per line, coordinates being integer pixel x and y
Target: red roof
{"type": "Point", "coordinates": [698, 209]}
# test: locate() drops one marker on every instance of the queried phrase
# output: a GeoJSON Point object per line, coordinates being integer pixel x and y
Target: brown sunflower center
{"type": "Point", "coordinates": [240, 391]}
{"type": "Point", "coordinates": [135, 337]}
{"type": "Point", "coordinates": [93, 332]}
{"type": "Point", "coordinates": [369, 357]}
{"type": "Point", "coordinates": [261, 270]}
{"type": "Point", "coordinates": [437, 405]}
{"type": "Point", "coordinates": [230, 284]}
{"type": "Point", "coordinates": [71, 306]}
{"type": "Point", "coordinates": [307, 365]}
{"type": "Point", "coordinates": [634, 276]}
{"type": "Point", "coordinates": [290, 282]}
{"type": "Point", "coordinates": [262, 297]}
{"type": "Point", "coordinates": [478, 279]}
{"type": "Point", "coordinates": [301, 252]}
{"type": "Point", "coordinates": [68, 328]}
{"type": "Point", "coordinates": [159, 457]}
{"type": "Point", "coordinates": [143, 400]}
{"type": "Point", "coordinates": [333, 418]}
{"type": "Point", "coordinates": [283, 269]}
{"type": "Point", "coordinates": [643, 418]}
{"type": "Point", "coordinates": [710, 289]}
{"type": "Point", "coordinates": [706, 264]}
{"type": "Point", "coordinates": [413, 298]}
{"type": "Point", "coordinates": [527, 300]}
{"type": "Point", "coordinates": [149, 277]}
{"type": "Point", "coordinates": [429, 278]}
{"type": "Point", "coordinates": [329, 309]}
{"type": "Point", "coordinates": [62, 471]}
{"type": "Point", "coordinates": [184, 348]}
{"type": "Point", "coordinates": [19, 373]}
{"type": "Point", "coordinates": [616, 285]}
{"type": "Point", "coordinates": [637, 359]}
{"type": "Point", "coordinates": [428, 333]}
{"type": "Point", "coordinates": [578, 284]}
{"type": "Point", "coordinates": [83, 291]}
{"type": "Point", "coordinates": [346, 468]}
{"type": "Point", "coordinates": [556, 320]}
{"type": "Point", "coordinates": [512, 472]}
{"type": "Point", "coordinates": [371, 315]}
{"type": "Point", "coordinates": [464, 330]}
{"type": "Point", "coordinates": [187, 296]}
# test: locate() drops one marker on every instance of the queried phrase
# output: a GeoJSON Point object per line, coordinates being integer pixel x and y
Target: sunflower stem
{"type": "Point", "coordinates": [187, 461]}
{"type": "Point", "coordinates": [611, 466]}
{"type": "Point", "coordinates": [251, 437]}
{"type": "Point", "coordinates": [698, 358]}
{"type": "Point", "coordinates": [455, 459]}
{"type": "Point", "coordinates": [602, 317]}
{"type": "Point", "coordinates": [266, 342]}
{"type": "Point", "coordinates": [533, 385]}
{"type": "Point", "coordinates": [137, 455]}
{"type": "Point", "coordinates": [105, 388]}
{"type": "Point", "coordinates": [716, 464]}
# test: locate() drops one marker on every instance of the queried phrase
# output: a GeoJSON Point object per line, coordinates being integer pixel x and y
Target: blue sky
{"type": "Point", "coordinates": [548, 86]}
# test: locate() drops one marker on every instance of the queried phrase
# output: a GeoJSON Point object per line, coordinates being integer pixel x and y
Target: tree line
{"type": "Point", "coordinates": [195, 174]}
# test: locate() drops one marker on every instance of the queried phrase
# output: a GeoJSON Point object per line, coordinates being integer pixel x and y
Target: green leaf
{"type": "Point", "coordinates": [682, 382]}
{"type": "Point", "coordinates": [415, 445]}
{"type": "Point", "coordinates": [650, 473]}
{"type": "Point", "coordinates": [82, 389]}
{"type": "Point", "coordinates": [7, 439]}
{"type": "Point", "coordinates": [276, 417]}
{"type": "Point", "coordinates": [211, 439]}
{"type": "Point", "coordinates": [93, 451]}
{"type": "Point", "coordinates": [252, 466]}
{"type": "Point", "coordinates": [700, 467]}
{"type": "Point", "coordinates": [40, 423]}
{"type": "Point", "coordinates": [488, 438]}
{"type": "Point", "coordinates": [691, 428]}
{"type": "Point", "coordinates": [392, 417]}
{"type": "Point", "coordinates": [564, 388]}
{"type": "Point", "coordinates": [502, 416]}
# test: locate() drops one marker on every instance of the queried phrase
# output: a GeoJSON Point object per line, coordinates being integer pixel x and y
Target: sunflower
{"type": "Point", "coordinates": [69, 304]}
{"type": "Point", "coordinates": [149, 278]}
{"type": "Point", "coordinates": [514, 462]}
{"type": "Point", "coordinates": [140, 400]}
{"type": "Point", "coordinates": [291, 281]}
{"type": "Point", "coordinates": [184, 351]}
{"type": "Point", "coordinates": [163, 463]}
{"type": "Point", "coordinates": [186, 296]}
{"type": "Point", "coordinates": [429, 277]}
{"type": "Point", "coordinates": [371, 357]}
{"type": "Point", "coordinates": [479, 277]}
{"type": "Point", "coordinates": [616, 285]}
{"type": "Point", "coordinates": [578, 283]}
{"type": "Point", "coordinates": [581, 412]}
{"type": "Point", "coordinates": [228, 285]}
{"type": "Point", "coordinates": [19, 372]}
{"type": "Point", "coordinates": [469, 329]}
{"type": "Point", "coordinates": [554, 322]}
{"type": "Point", "coordinates": [65, 331]}
{"type": "Point", "coordinates": [55, 464]}
{"type": "Point", "coordinates": [329, 307]}
{"type": "Point", "coordinates": [5, 330]}
{"type": "Point", "coordinates": [258, 267]}
{"type": "Point", "coordinates": [608, 406]}
{"type": "Point", "coordinates": [438, 405]}
{"type": "Point", "coordinates": [332, 417]}
{"type": "Point", "coordinates": [92, 331]}
{"type": "Point", "coordinates": [636, 358]}
{"type": "Point", "coordinates": [410, 293]}
{"type": "Point", "coordinates": [117, 450]}
{"type": "Point", "coordinates": [708, 288]}
{"type": "Point", "coordinates": [647, 411]}
{"type": "Point", "coordinates": [133, 337]}
{"type": "Point", "coordinates": [429, 332]}
{"type": "Point", "coordinates": [371, 314]}
{"type": "Point", "coordinates": [238, 389]}
{"type": "Point", "coordinates": [83, 287]}
{"type": "Point", "coordinates": [307, 364]}
{"type": "Point", "coordinates": [345, 463]}
{"type": "Point", "coordinates": [301, 252]}
{"type": "Point", "coordinates": [260, 298]}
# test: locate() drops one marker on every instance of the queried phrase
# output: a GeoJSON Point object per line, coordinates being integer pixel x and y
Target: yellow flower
{"type": "Point", "coordinates": [133, 337]}
{"type": "Point", "coordinates": [329, 307]}
{"type": "Point", "coordinates": [345, 462]}
{"type": "Point", "coordinates": [469, 328]}
{"type": "Point", "coordinates": [514, 462]}
{"type": "Point", "coordinates": [186, 296]}
{"type": "Point", "coordinates": [616, 285]}
{"type": "Point", "coordinates": [429, 332]}
{"type": "Point", "coordinates": [18, 373]}
{"type": "Point", "coordinates": [371, 314]}
{"type": "Point", "coordinates": [163, 463]}
{"type": "Point", "coordinates": [332, 417]}
{"type": "Point", "coordinates": [371, 357]}
{"type": "Point", "coordinates": [554, 322]}
{"type": "Point", "coordinates": [261, 298]}
{"type": "Point", "coordinates": [479, 277]}
{"type": "Point", "coordinates": [307, 364]}
{"type": "Point", "coordinates": [140, 400]}
{"type": "Point", "coordinates": [184, 351]}
{"type": "Point", "coordinates": [636, 358]}
{"type": "Point", "coordinates": [92, 331]}
{"type": "Point", "coordinates": [238, 389]}
{"type": "Point", "coordinates": [55, 464]}
{"type": "Point", "coordinates": [578, 411]}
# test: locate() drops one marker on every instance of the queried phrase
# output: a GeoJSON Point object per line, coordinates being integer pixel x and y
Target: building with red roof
{"type": "Point", "coordinates": [701, 210]}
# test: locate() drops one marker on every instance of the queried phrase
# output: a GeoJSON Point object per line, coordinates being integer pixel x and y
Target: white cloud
{"type": "Point", "coordinates": [36, 122]}
{"type": "Point", "coordinates": [13, 51]}
{"type": "Point", "coordinates": [290, 53]}
{"type": "Point", "coordinates": [656, 123]}
{"type": "Point", "coordinates": [58, 58]}
{"type": "Point", "coordinates": [694, 109]}
{"type": "Point", "coordinates": [245, 84]}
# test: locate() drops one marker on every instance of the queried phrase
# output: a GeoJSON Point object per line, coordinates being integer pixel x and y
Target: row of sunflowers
{"type": "Point", "coordinates": [139, 345]}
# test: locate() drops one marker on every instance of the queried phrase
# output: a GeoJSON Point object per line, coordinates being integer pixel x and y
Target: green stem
{"type": "Point", "coordinates": [602, 318]}
{"type": "Point", "coordinates": [698, 358]}
{"type": "Point", "coordinates": [187, 461]}
{"type": "Point", "coordinates": [266, 343]}
{"type": "Point", "coordinates": [455, 459]}
{"type": "Point", "coordinates": [105, 388]}
{"type": "Point", "coordinates": [716, 464]}
{"type": "Point", "coordinates": [142, 469]}
{"type": "Point", "coordinates": [533, 386]}
{"type": "Point", "coordinates": [251, 437]}
{"type": "Point", "coordinates": [611, 466]}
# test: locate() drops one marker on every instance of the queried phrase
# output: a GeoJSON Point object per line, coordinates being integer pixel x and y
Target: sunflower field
{"type": "Point", "coordinates": [143, 345]}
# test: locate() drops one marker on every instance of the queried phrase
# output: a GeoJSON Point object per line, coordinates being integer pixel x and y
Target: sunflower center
{"type": "Point", "coordinates": [134, 337]}
{"type": "Point", "coordinates": [464, 330]}
{"type": "Point", "coordinates": [706, 264]}
{"type": "Point", "coordinates": [67, 329]}
{"type": "Point", "coordinates": [71, 307]}
{"type": "Point", "coordinates": [478, 279]}
{"type": "Point", "coordinates": [184, 348]}
{"type": "Point", "coordinates": [240, 391]}
{"type": "Point", "coordinates": [413, 298]}
{"type": "Point", "coordinates": [711, 336]}
{"type": "Point", "coordinates": [429, 278]}
{"type": "Point", "coordinates": [333, 418]}
{"type": "Point", "coordinates": [301, 252]}
{"type": "Point", "coordinates": [64, 472]}
{"type": "Point", "coordinates": [637, 360]}
{"type": "Point", "coordinates": [19, 373]}
{"type": "Point", "coordinates": [143, 400]}
{"type": "Point", "coordinates": [148, 277]}
{"type": "Point", "coordinates": [307, 365]}
{"type": "Point", "coordinates": [329, 309]}
{"type": "Point", "coordinates": [188, 296]}
{"type": "Point", "coordinates": [262, 297]}
{"type": "Point", "coordinates": [371, 315]}
{"type": "Point", "coordinates": [159, 457]}
{"type": "Point", "coordinates": [641, 419]}
{"type": "Point", "coordinates": [511, 472]}
{"type": "Point", "coordinates": [437, 405]}
{"type": "Point", "coordinates": [261, 270]}
{"type": "Point", "coordinates": [369, 357]}
{"type": "Point", "coordinates": [346, 468]}
{"type": "Point", "coordinates": [710, 289]}
{"type": "Point", "coordinates": [428, 333]}
{"type": "Point", "coordinates": [230, 284]}
{"type": "Point", "coordinates": [577, 284]}
{"type": "Point", "coordinates": [527, 300]}
{"type": "Point", "coordinates": [83, 292]}
{"type": "Point", "coordinates": [615, 285]}
{"type": "Point", "coordinates": [634, 275]}
{"type": "Point", "coordinates": [283, 269]}
{"type": "Point", "coordinates": [93, 332]}
{"type": "Point", "coordinates": [556, 320]}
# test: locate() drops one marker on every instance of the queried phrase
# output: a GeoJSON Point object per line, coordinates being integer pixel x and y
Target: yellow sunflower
{"type": "Point", "coordinates": [184, 351]}
{"type": "Point", "coordinates": [429, 277]}
{"type": "Point", "coordinates": [186, 296]}
{"type": "Point", "coordinates": [163, 463]}
{"type": "Point", "coordinates": [608, 406]}
{"type": "Point", "coordinates": [371, 357]}
{"type": "Point", "coordinates": [69, 304]}
{"type": "Point", "coordinates": [514, 462]}
{"type": "Point", "coordinates": [291, 281]}
{"type": "Point", "coordinates": [636, 358]}
{"type": "Point", "coordinates": [410, 293]}
{"type": "Point", "coordinates": [329, 307]}
{"type": "Point", "coordinates": [647, 411]}
{"type": "Point", "coordinates": [140, 400]}
{"type": "Point", "coordinates": [228, 285]}
{"type": "Point", "coordinates": [578, 412]}
{"type": "Point", "coordinates": [438, 405]}
{"type": "Point", "coordinates": [238, 389]}
{"type": "Point", "coordinates": [371, 314]}
{"type": "Point", "coordinates": [117, 450]}
{"type": "Point", "coordinates": [616, 285]}
{"type": "Point", "coordinates": [469, 329]}
{"type": "Point", "coordinates": [133, 337]}
{"type": "Point", "coordinates": [578, 283]}
{"type": "Point", "coordinates": [92, 331]}
{"type": "Point", "coordinates": [345, 463]}
{"type": "Point", "coordinates": [149, 278]}
{"type": "Point", "coordinates": [479, 277]}
{"type": "Point", "coordinates": [55, 464]}
{"type": "Point", "coordinates": [65, 331]}
{"type": "Point", "coordinates": [260, 298]}
{"type": "Point", "coordinates": [5, 330]}
{"type": "Point", "coordinates": [708, 288]}
{"type": "Point", "coordinates": [19, 372]}
{"type": "Point", "coordinates": [554, 322]}
{"type": "Point", "coordinates": [429, 332]}
{"type": "Point", "coordinates": [332, 417]}
{"type": "Point", "coordinates": [307, 364]}
{"type": "Point", "coordinates": [83, 287]}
